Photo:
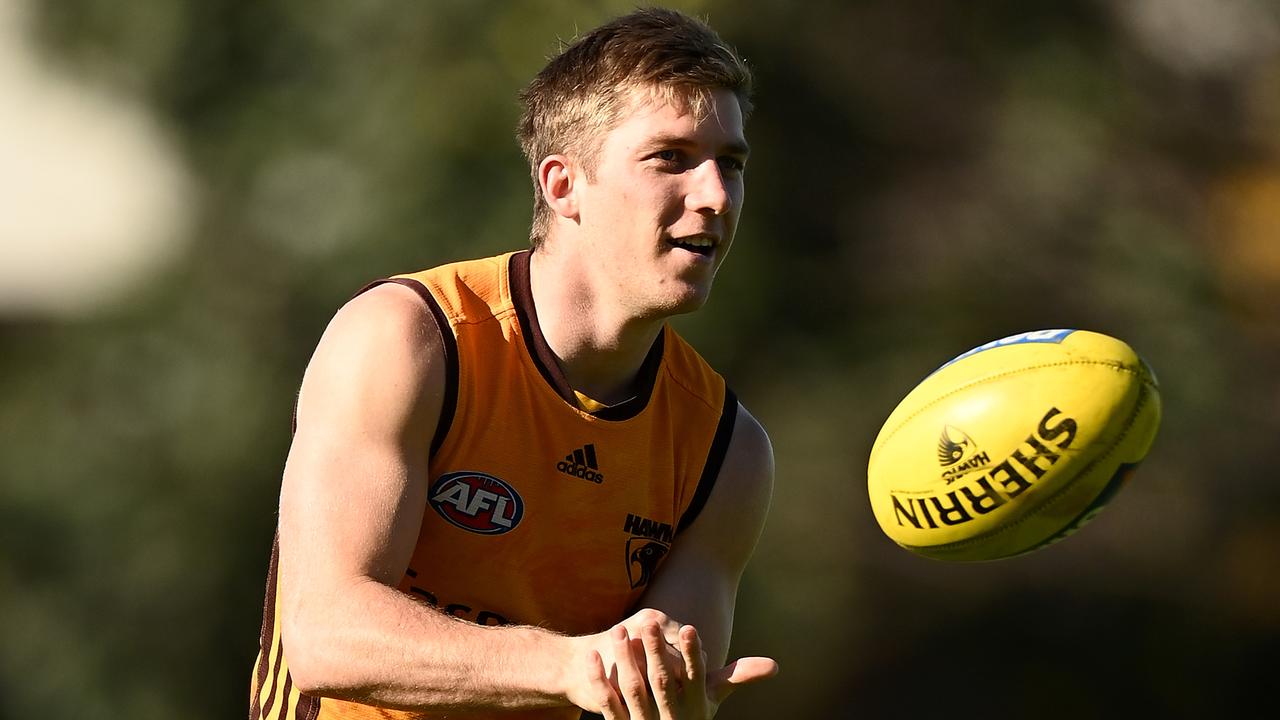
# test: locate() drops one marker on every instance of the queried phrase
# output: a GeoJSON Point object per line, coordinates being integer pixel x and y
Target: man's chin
{"type": "Point", "coordinates": [690, 301]}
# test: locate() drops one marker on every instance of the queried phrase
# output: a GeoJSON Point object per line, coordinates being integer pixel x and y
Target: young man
{"type": "Point", "coordinates": [513, 490]}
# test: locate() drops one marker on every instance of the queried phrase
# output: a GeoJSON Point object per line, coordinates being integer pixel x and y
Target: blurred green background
{"type": "Point", "coordinates": [188, 190]}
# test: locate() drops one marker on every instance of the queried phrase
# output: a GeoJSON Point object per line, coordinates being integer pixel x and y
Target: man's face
{"type": "Point", "coordinates": [661, 211]}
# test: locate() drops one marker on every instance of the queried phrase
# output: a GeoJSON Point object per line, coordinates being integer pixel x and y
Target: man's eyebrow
{"type": "Point", "coordinates": [733, 147]}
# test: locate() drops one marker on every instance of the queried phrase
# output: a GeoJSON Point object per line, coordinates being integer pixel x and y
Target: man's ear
{"type": "Point", "coordinates": [558, 177]}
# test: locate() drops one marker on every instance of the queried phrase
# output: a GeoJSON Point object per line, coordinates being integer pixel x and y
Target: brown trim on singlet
{"type": "Point", "coordinates": [275, 680]}
{"type": "Point", "coordinates": [284, 696]}
{"type": "Point", "coordinates": [268, 626]}
{"type": "Point", "coordinates": [715, 459]}
{"type": "Point", "coordinates": [308, 707]}
{"type": "Point", "coordinates": [549, 366]}
{"type": "Point", "coordinates": [450, 404]}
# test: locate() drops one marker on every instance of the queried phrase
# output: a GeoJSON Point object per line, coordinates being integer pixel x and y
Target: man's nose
{"type": "Point", "coordinates": [710, 192]}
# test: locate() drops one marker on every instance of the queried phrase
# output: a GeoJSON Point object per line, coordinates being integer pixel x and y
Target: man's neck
{"type": "Point", "coordinates": [600, 346]}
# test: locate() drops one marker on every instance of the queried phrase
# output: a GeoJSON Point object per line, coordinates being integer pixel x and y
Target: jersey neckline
{"type": "Point", "coordinates": [549, 366]}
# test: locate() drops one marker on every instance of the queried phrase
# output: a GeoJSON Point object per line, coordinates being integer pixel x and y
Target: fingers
{"type": "Point", "coordinates": [631, 675]}
{"type": "Point", "coordinates": [743, 671]}
{"type": "Point", "coordinates": [695, 660]}
{"type": "Point", "coordinates": [665, 674]}
{"type": "Point", "coordinates": [670, 628]}
{"type": "Point", "coordinates": [608, 702]}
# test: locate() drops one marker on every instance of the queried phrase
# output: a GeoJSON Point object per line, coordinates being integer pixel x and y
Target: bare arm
{"type": "Point", "coordinates": [698, 583]}
{"type": "Point", "coordinates": [350, 511]}
{"type": "Point", "coordinates": [696, 590]}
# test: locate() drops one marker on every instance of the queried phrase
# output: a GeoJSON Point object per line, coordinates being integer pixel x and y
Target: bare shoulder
{"type": "Point", "coordinates": [750, 443]}
{"type": "Point", "coordinates": [390, 314]}
{"type": "Point", "coordinates": [730, 523]}
{"type": "Point", "coordinates": [748, 467]}
{"type": "Point", "coordinates": [381, 352]}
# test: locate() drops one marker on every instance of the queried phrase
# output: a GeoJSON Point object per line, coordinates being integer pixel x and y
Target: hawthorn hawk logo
{"type": "Point", "coordinates": [953, 444]}
{"type": "Point", "coordinates": [958, 454]}
{"type": "Point", "coordinates": [649, 542]}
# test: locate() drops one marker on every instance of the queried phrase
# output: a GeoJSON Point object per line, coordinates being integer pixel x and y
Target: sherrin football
{"type": "Point", "coordinates": [1013, 445]}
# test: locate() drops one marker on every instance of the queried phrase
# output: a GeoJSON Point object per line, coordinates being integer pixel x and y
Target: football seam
{"type": "Point", "coordinates": [1115, 364]}
{"type": "Point", "coordinates": [1144, 397]}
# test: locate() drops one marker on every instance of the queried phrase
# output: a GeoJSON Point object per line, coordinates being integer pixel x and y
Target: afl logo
{"type": "Point", "coordinates": [477, 502]}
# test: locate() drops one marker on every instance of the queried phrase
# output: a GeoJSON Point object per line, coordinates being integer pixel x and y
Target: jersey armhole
{"type": "Point", "coordinates": [450, 403]}
{"type": "Point", "coordinates": [715, 459]}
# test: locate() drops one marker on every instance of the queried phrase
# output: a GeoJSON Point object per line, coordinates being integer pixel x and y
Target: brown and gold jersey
{"type": "Point", "coordinates": [539, 511]}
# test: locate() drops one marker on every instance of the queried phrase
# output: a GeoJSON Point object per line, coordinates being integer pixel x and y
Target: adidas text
{"type": "Point", "coordinates": [582, 463]}
{"type": "Point", "coordinates": [580, 471]}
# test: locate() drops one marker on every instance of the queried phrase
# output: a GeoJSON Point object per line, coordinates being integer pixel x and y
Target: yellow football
{"type": "Point", "coordinates": [1013, 445]}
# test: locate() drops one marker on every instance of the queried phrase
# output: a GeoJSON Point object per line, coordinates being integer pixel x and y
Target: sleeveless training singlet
{"type": "Point", "coordinates": [538, 512]}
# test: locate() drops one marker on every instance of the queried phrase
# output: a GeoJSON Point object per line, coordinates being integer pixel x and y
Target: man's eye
{"type": "Point", "coordinates": [730, 163]}
{"type": "Point", "coordinates": [668, 156]}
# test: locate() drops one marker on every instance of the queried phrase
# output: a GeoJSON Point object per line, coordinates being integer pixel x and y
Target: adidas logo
{"type": "Point", "coordinates": [581, 463]}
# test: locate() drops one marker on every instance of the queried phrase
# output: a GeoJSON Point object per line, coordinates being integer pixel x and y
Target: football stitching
{"type": "Point", "coordinates": [1111, 364]}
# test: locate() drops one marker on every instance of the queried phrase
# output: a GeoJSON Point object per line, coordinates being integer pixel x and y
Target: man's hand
{"type": "Point", "coordinates": [594, 678]}
{"type": "Point", "coordinates": [659, 672]}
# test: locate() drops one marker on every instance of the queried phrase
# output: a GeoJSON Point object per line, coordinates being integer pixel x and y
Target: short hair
{"type": "Point", "coordinates": [581, 93]}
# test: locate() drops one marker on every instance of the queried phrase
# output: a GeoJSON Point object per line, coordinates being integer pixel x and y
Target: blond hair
{"type": "Point", "coordinates": [581, 93]}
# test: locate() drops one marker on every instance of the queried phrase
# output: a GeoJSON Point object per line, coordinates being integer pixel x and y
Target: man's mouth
{"type": "Point", "coordinates": [702, 245]}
